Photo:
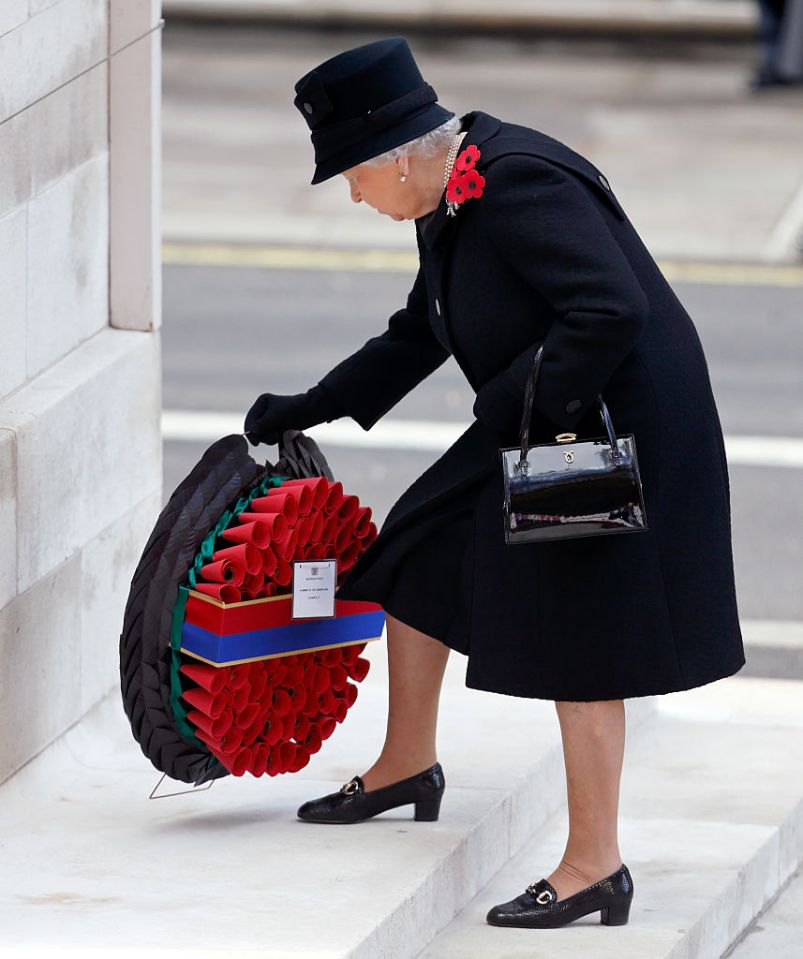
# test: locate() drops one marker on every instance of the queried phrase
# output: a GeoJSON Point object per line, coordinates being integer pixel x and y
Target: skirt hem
{"type": "Point", "coordinates": [528, 692]}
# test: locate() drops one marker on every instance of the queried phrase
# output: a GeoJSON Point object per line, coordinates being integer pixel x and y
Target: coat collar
{"type": "Point", "coordinates": [480, 127]}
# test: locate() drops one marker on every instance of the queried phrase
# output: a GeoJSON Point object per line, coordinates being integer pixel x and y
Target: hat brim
{"type": "Point", "coordinates": [433, 115]}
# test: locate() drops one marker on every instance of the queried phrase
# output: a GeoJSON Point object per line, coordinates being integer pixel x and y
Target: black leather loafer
{"type": "Point", "coordinates": [353, 803]}
{"type": "Point", "coordinates": [539, 907]}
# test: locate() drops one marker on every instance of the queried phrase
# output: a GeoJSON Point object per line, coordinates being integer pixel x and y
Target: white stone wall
{"type": "Point", "coordinates": [80, 377]}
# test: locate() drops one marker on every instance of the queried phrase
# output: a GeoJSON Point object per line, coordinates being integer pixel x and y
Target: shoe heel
{"type": "Point", "coordinates": [615, 915]}
{"type": "Point", "coordinates": [426, 810]}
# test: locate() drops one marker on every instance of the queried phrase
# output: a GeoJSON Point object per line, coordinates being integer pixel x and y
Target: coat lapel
{"type": "Point", "coordinates": [437, 233]}
{"type": "Point", "coordinates": [481, 127]}
{"type": "Point", "coordinates": [475, 452]}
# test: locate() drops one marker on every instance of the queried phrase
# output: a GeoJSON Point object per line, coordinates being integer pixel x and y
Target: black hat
{"type": "Point", "coordinates": [365, 101]}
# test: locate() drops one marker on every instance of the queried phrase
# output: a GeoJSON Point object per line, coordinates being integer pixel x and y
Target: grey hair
{"type": "Point", "coordinates": [427, 145]}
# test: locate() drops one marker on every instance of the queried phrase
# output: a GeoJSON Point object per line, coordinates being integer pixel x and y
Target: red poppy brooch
{"type": "Point", "coordinates": [464, 181]}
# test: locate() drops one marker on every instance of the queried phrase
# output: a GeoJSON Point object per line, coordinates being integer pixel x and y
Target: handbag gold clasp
{"type": "Point", "coordinates": [566, 437]}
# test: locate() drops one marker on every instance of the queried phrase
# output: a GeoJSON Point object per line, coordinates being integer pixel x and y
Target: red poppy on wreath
{"type": "Point", "coordinates": [464, 182]}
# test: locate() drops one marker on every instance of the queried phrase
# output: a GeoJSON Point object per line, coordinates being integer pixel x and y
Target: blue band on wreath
{"type": "Point", "coordinates": [280, 640]}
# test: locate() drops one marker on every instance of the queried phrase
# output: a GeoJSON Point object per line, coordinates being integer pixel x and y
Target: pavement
{"type": "Point", "coordinates": [713, 18]}
{"type": "Point", "coordinates": [707, 170]}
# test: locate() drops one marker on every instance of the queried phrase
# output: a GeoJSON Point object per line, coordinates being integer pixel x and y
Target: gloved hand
{"type": "Point", "coordinates": [272, 413]}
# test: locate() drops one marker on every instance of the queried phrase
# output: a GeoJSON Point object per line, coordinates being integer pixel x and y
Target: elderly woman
{"type": "Point", "coordinates": [522, 244]}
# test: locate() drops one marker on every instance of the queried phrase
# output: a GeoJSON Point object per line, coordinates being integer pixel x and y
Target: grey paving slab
{"type": "Point", "coordinates": [704, 168]}
{"type": "Point", "coordinates": [775, 649]}
{"type": "Point", "coordinates": [729, 18]}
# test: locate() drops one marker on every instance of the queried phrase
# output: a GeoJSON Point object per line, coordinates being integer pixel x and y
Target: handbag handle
{"type": "Point", "coordinates": [524, 434]}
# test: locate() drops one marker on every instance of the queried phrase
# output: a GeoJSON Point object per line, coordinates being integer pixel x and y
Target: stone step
{"type": "Point", "coordinates": [777, 932]}
{"type": "Point", "coordinates": [90, 863]}
{"type": "Point", "coordinates": [711, 829]}
{"type": "Point", "coordinates": [711, 826]}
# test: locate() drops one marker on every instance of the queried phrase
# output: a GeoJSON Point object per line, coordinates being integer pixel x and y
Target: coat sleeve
{"type": "Point", "coordinates": [546, 223]}
{"type": "Point", "coordinates": [384, 370]}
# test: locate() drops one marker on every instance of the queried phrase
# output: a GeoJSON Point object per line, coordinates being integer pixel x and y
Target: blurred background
{"type": "Point", "coordinates": [269, 281]}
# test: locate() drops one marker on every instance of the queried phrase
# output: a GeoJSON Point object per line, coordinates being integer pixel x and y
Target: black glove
{"type": "Point", "coordinates": [272, 413]}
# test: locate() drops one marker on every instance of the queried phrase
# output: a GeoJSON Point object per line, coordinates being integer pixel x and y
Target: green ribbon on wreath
{"type": "Point", "coordinates": [203, 556]}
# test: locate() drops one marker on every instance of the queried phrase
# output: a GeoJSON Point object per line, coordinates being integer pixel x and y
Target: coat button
{"type": "Point", "coordinates": [603, 181]}
{"type": "Point", "coordinates": [573, 405]}
{"type": "Point", "coordinates": [308, 107]}
{"type": "Point", "coordinates": [437, 306]}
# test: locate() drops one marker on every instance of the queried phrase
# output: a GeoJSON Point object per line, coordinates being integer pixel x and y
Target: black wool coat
{"type": "Point", "coordinates": [546, 255]}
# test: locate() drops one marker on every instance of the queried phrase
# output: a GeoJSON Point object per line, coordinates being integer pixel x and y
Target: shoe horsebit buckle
{"type": "Point", "coordinates": [349, 787]}
{"type": "Point", "coordinates": [543, 897]}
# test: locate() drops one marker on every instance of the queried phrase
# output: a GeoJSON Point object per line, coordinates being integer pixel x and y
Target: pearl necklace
{"type": "Point", "coordinates": [452, 156]}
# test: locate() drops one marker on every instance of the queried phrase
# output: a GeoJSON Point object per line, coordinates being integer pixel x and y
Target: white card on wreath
{"type": "Point", "coordinates": [314, 584]}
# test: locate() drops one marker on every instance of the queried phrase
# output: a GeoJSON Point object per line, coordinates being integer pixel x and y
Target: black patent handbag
{"type": "Point", "coordinates": [572, 487]}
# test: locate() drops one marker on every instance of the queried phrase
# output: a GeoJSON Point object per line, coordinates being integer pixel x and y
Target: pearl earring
{"type": "Point", "coordinates": [403, 177]}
